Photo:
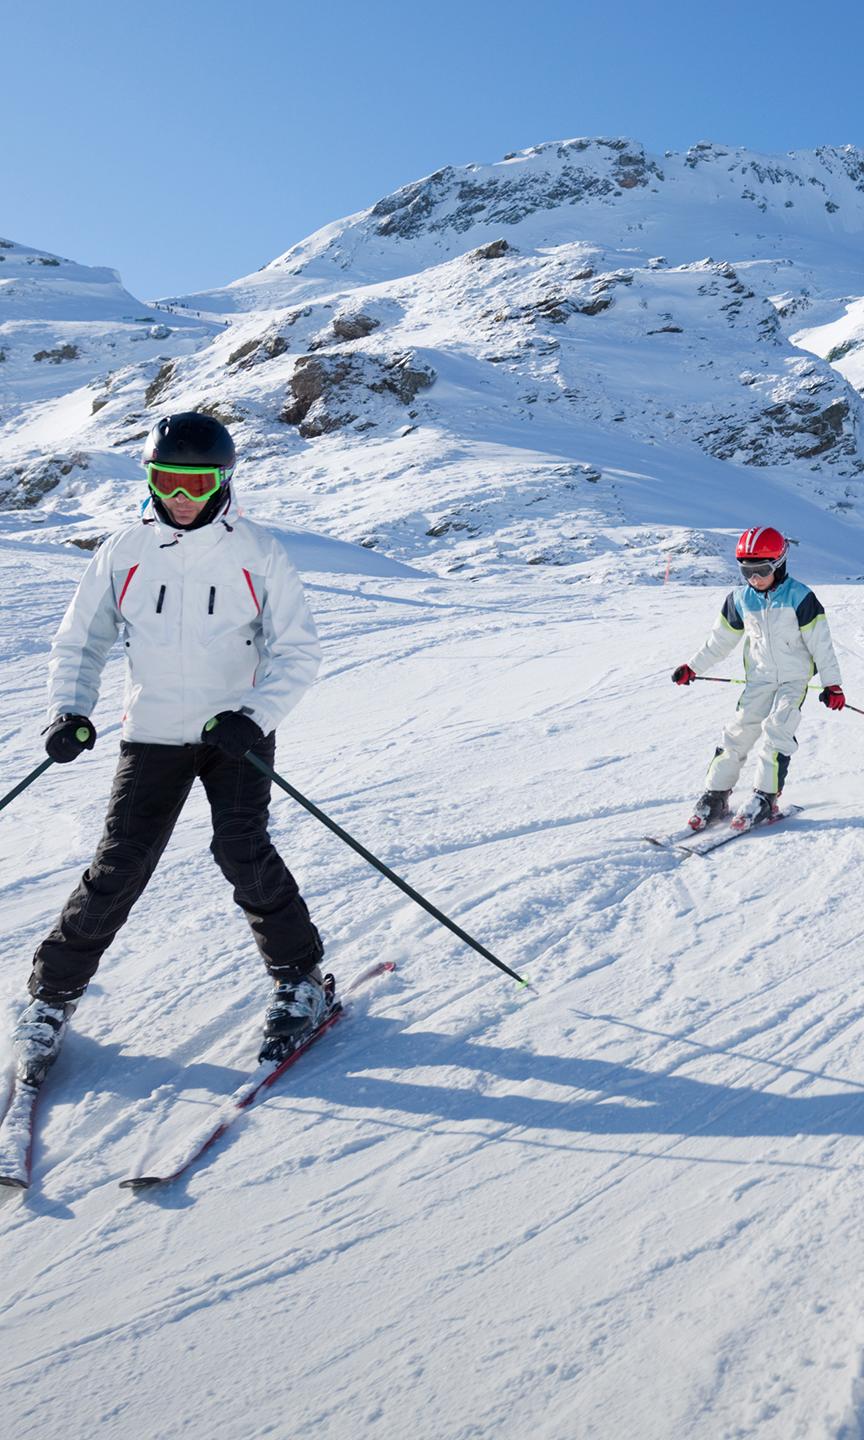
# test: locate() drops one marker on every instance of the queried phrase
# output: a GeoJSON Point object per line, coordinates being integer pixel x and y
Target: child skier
{"type": "Point", "coordinates": [220, 645]}
{"type": "Point", "coordinates": [787, 641]}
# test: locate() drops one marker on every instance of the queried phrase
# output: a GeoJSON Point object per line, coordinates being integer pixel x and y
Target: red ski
{"type": "Point", "coordinates": [266, 1074]}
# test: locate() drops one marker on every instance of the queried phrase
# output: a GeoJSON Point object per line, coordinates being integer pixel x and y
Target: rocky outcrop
{"type": "Point", "coordinates": [25, 485]}
{"type": "Point", "coordinates": [804, 422]}
{"type": "Point", "coordinates": [258, 350]}
{"type": "Point", "coordinates": [496, 250]}
{"type": "Point", "coordinates": [557, 306]}
{"type": "Point", "coordinates": [222, 410]}
{"type": "Point", "coordinates": [58, 354]}
{"type": "Point", "coordinates": [159, 384]}
{"type": "Point", "coordinates": [329, 392]}
{"type": "Point", "coordinates": [354, 325]}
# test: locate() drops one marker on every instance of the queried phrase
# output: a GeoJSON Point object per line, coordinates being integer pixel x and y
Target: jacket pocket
{"type": "Point", "coordinates": [225, 612]}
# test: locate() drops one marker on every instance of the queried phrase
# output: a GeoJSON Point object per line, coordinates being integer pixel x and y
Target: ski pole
{"type": "Point", "coordinates": [382, 868]}
{"type": "Point", "coordinates": [722, 680]}
{"type": "Point", "coordinates": [22, 784]}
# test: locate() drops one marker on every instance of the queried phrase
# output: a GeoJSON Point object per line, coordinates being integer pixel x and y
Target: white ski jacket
{"type": "Point", "coordinates": [785, 633]}
{"type": "Point", "coordinates": [212, 619]}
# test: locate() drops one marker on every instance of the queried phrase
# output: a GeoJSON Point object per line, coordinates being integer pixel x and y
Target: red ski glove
{"type": "Point", "coordinates": [833, 697]}
{"type": "Point", "coordinates": [683, 675]}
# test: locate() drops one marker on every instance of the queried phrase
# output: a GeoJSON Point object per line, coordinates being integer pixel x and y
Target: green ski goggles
{"type": "Point", "coordinates": [196, 482]}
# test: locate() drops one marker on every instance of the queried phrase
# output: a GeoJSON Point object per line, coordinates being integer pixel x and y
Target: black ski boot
{"type": "Point", "coordinates": [37, 1037]}
{"type": "Point", "coordinates": [713, 805]}
{"type": "Point", "coordinates": [297, 1008]}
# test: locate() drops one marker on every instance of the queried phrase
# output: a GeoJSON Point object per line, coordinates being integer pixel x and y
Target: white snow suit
{"type": "Point", "coordinates": [786, 640]}
{"type": "Point", "coordinates": [212, 619]}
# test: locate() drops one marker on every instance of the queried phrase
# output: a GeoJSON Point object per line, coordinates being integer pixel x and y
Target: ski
{"type": "Point", "coordinates": [702, 844]}
{"type": "Point", "coordinates": [677, 837]}
{"type": "Point", "coordinates": [266, 1074]}
{"type": "Point", "coordinates": [16, 1136]}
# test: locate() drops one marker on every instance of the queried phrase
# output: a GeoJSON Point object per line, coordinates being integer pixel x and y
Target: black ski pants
{"type": "Point", "coordinates": [150, 789]}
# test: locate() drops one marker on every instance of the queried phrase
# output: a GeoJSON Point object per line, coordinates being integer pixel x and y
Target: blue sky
{"type": "Point", "coordinates": [188, 143]}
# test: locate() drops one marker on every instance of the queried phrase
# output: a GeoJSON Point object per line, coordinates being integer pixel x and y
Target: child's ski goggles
{"type": "Point", "coordinates": [196, 482]}
{"type": "Point", "coordinates": [764, 568]}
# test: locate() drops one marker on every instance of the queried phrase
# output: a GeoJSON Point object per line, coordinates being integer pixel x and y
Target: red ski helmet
{"type": "Point", "coordinates": [762, 543]}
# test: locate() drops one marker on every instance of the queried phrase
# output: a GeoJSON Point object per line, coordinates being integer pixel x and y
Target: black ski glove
{"type": "Point", "coordinates": [232, 732]}
{"type": "Point", "coordinates": [67, 736]}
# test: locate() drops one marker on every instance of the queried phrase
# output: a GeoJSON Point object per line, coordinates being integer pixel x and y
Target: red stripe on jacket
{"type": "Point", "coordinates": [252, 589]}
{"type": "Point", "coordinates": [126, 585]}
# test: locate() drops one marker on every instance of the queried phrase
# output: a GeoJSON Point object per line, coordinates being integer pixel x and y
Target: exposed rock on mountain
{"type": "Point", "coordinates": [330, 392]}
{"type": "Point", "coordinates": [435, 370]}
{"type": "Point", "coordinates": [26, 485]}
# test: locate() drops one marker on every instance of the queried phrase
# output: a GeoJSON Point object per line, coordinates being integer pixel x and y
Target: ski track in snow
{"type": "Point", "coordinates": [614, 1205]}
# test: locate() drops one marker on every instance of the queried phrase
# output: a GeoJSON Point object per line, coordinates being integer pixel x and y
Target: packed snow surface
{"type": "Point", "coordinates": [628, 1200]}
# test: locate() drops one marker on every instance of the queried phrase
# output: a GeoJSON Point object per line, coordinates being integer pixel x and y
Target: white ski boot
{"type": "Point", "coordinates": [37, 1037]}
{"type": "Point", "coordinates": [760, 807]}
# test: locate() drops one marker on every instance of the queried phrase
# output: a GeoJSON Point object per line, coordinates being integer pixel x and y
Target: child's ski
{"type": "Point", "coordinates": [675, 838]}
{"type": "Point", "coordinates": [702, 844]}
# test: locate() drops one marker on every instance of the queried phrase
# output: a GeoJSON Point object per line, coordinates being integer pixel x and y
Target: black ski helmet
{"type": "Point", "coordinates": [192, 439]}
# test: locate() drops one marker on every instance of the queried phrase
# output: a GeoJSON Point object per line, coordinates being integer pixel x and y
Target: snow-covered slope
{"type": "Point", "coordinates": [496, 412]}
{"type": "Point", "coordinates": [627, 1204]}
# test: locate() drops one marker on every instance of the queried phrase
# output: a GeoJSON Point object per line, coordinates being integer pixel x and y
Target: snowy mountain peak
{"type": "Point", "coordinates": [710, 199]}
{"type": "Point", "coordinates": [545, 177]}
{"type": "Point", "coordinates": [471, 359]}
{"type": "Point", "coordinates": [602, 171]}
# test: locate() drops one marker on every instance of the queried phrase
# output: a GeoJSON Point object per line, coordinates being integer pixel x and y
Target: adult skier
{"type": "Point", "coordinates": [219, 645]}
{"type": "Point", "coordinates": [786, 640]}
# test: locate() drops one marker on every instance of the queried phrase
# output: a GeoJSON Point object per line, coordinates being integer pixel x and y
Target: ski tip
{"type": "Point", "coordinates": [13, 1182]}
{"type": "Point", "coordinates": [141, 1182]}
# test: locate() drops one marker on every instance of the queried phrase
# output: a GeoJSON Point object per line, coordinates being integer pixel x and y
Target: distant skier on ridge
{"type": "Point", "coordinates": [220, 645]}
{"type": "Point", "coordinates": [786, 640]}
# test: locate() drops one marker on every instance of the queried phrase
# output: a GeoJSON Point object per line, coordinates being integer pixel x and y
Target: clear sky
{"type": "Point", "coordinates": [187, 142]}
